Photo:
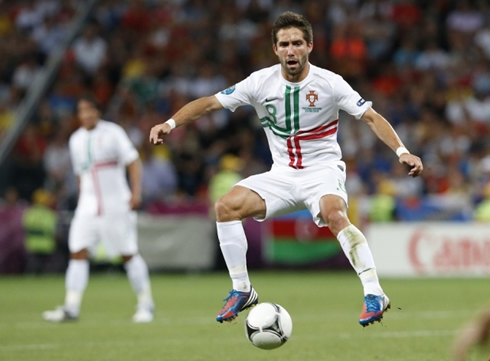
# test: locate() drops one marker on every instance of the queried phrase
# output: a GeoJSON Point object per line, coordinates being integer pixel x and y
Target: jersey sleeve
{"type": "Point", "coordinates": [75, 162]}
{"type": "Point", "coordinates": [349, 100]}
{"type": "Point", "coordinates": [127, 153]}
{"type": "Point", "coordinates": [236, 95]}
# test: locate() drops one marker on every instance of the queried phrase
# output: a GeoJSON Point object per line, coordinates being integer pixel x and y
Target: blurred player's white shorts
{"type": "Point", "coordinates": [286, 190]}
{"type": "Point", "coordinates": [117, 233]}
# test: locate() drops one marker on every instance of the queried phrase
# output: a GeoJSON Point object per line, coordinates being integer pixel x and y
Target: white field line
{"type": "Point", "coordinates": [39, 346]}
{"type": "Point", "coordinates": [404, 334]}
{"type": "Point", "coordinates": [180, 341]}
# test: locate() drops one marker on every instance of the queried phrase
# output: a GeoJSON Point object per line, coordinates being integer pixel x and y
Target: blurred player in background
{"type": "Point", "coordinates": [100, 152]}
{"type": "Point", "coordinates": [298, 105]}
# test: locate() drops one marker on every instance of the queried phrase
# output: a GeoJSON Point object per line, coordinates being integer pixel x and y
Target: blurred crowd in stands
{"type": "Point", "coordinates": [424, 64]}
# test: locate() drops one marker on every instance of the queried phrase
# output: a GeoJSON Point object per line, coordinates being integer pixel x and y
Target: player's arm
{"type": "Point", "coordinates": [134, 172]}
{"type": "Point", "coordinates": [75, 164]}
{"type": "Point", "coordinates": [387, 134]}
{"type": "Point", "coordinates": [188, 113]}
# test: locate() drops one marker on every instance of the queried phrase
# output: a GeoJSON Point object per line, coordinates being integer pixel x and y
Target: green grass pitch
{"type": "Point", "coordinates": [422, 324]}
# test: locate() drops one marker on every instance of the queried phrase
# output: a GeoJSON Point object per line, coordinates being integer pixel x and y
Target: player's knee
{"type": "Point", "coordinates": [126, 258]}
{"type": "Point", "coordinates": [222, 209]}
{"type": "Point", "coordinates": [83, 254]}
{"type": "Point", "coordinates": [225, 210]}
{"type": "Point", "coordinates": [337, 221]}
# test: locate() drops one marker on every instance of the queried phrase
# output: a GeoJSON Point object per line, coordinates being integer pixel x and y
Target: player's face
{"type": "Point", "coordinates": [293, 50]}
{"type": "Point", "coordinates": [87, 114]}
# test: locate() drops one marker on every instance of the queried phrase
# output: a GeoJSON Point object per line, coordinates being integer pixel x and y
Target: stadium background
{"type": "Point", "coordinates": [425, 66]}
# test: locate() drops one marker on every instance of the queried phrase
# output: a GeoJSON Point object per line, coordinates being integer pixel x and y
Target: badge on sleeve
{"type": "Point", "coordinates": [229, 90]}
{"type": "Point", "coordinates": [360, 102]}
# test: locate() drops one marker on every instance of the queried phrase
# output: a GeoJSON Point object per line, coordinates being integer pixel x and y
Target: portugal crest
{"type": "Point", "coordinates": [312, 97]}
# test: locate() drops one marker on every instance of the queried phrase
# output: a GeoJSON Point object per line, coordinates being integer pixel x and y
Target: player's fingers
{"type": "Point", "coordinates": [416, 170]}
{"type": "Point", "coordinates": [154, 133]}
{"type": "Point", "coordinates": [157, 131]}
{"type": "Point", "coordinates": [152, 138]}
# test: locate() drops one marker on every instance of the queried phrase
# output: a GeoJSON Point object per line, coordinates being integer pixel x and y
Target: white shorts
{"type": "Point", "coordinates": [287, 190]}
{"type": "Point", "coordinates": [116, 232]}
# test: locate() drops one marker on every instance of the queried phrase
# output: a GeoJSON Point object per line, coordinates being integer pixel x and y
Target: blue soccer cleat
{"type": "Point", "coordinates": [236, 302]}
{"type": "Point", "coordinates": [373, 309]}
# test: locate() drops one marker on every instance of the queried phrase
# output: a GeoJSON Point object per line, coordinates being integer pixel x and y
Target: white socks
{"type": "Point", "coordinates": [76, 281]}
{"type": "Point", "coordinates": [234, 247]}
{"type": "Point", "coordinates": [77, 276]}
{"type": "Point", "coordinates": [137, 272]}
{"type": "Point", "coordinates": [357, 250]}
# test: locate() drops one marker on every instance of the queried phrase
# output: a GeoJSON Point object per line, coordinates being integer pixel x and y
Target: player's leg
{"type": "Point", "coordinates": [81, 236]}
{"type": "Point", "coordinates": [260, 196]}
{"type": "Point", "coordinates": [138, 275]}
{"type": "Point", "coordinates": [231, 209]}
{"type": "Point", "coordinates": [123, 240]}
{"type": "Point", "coordinates": [77, 275]}
{"type": "Point", "coordinates": [76, 280]}
{"type": "Point", "coordinates": [333, 210]}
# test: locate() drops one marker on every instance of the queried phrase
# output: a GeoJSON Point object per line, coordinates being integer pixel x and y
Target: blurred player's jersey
{"type": "Point", "coordinates": [299, 119]}
{"type": "Point", "coordinates": [99, 157]}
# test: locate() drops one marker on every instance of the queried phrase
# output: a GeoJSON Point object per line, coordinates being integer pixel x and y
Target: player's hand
{"type": "Point", "coordinates": [135, 201]}
{"type": "Point", "coordinates": [414, 162]}
{"type": "Point", "coordinates": [158, 132]}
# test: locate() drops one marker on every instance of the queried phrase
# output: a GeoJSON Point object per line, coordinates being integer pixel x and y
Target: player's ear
{"type": "Point", "coordinates": [310, 47]}
{"type": "Point", "coordinates": [274, 47]}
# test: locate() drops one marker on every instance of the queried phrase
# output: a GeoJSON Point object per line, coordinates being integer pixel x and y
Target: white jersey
{"type": "Point", "coordinates": [299, 119]}
{"type": "Point", "coordinates": [99, 157]}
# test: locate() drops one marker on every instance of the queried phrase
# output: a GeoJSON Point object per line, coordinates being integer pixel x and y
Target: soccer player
{"type": "Point", "coordinates": [100, 152]}
{"type": "Point", "coordinates": [298, 105]}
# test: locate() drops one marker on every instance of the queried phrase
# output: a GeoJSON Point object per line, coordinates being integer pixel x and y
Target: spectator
{"type": "Point", "coordinates": [26, 73]}
{"type": "Point", "coordinates": [29, 169]}
{"type": "Point", "coordinates": [39, 222]}
{"type": "Point", "coordinates": [482, 39]}
{"type": "Point", "coordinates": [49, 35]}
{"type": "Point", "coordinates": [29, 16]}
{"type": "Point", "coordinates": [348, 49]}
{"type": "Point", "coordinates": [464, 18]}
{"type": "Point", "coordinates": [383, 203]}
{"type": "Point", "coordinates": [227, 176]}
{"type": "Point", "coordinates": [90, 50]}
{"type": "Point", "coordinates": [57, 162]}
{"type": "Point", "coordinates": [159, 179]}
{"type": "Point", "coordinates": [432, 57]}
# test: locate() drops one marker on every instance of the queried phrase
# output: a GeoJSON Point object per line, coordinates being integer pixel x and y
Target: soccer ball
{"type": "Point", "coordinates": [268, 326]}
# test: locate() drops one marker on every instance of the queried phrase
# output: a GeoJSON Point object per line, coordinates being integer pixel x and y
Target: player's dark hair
{"type": "Point", "coordinates": [88, 97]}
{"type": "Point", "coordinates": [292, 20]}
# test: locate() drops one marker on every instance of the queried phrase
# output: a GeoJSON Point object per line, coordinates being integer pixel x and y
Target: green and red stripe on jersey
{"type": "Point", "coordinates": [294, 145]}
{"type": "Point", "coordinates": [98, 193]}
